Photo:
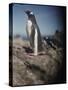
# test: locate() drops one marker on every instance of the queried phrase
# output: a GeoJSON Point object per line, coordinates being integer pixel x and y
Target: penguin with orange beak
{"type": "Point", "coordinates": [33, 33]}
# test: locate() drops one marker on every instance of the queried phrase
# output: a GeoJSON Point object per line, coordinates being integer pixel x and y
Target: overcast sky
{"type": "Point", "coordinates": [49, 18]}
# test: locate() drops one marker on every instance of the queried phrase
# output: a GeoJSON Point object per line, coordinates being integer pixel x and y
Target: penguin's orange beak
{"type": "Point", "coordinates": [25, 11]}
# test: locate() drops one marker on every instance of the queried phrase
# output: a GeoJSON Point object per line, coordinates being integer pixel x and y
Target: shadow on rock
{"type": "Point", "coordinates": [39, 72]}
{"type": "Point", "coordinates": [28, 49]}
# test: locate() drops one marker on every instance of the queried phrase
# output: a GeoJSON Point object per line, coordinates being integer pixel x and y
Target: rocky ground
{"type": "Point", "coordinates": [32, 70]}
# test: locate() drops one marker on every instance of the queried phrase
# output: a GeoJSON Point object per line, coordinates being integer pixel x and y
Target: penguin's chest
{"type": "Point", "coordinates": [29, 27]}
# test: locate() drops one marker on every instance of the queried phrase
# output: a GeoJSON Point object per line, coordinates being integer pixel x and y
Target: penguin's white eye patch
{"type": "Point", "coordinates": [31, 13]}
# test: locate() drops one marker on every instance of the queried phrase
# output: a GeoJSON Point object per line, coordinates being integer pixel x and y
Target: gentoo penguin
{"type": "Point", "coordinates": [33, 32]}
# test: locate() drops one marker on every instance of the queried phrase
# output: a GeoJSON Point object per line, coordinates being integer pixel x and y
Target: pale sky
{"type": "Point", "coordinates": [49, 18]}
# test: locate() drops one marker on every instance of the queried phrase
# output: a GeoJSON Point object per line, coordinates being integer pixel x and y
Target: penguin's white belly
{"type": "Point", "coordinates": [29, 25]}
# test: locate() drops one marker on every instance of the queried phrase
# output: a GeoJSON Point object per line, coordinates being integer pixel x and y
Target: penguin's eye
{"type": "Point", "coordinates": [31, 13]}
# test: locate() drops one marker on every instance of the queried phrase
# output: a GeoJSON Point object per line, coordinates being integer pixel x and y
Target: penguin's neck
{"type": "Point", "coordinates": [29, 22]}
{"type": "Point", "coordinates": [32, 18]}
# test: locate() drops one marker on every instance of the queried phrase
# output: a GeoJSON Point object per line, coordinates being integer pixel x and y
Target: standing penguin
{"type": "Point", "coordinates": [33, 33]}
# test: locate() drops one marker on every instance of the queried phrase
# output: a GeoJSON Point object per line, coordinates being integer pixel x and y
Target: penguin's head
{"type": "Point", "coordinates": [29, 13]}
